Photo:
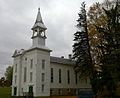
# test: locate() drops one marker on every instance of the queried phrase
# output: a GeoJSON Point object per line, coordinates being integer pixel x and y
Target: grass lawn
{"type": "Point", "coordinates": [5, 92]}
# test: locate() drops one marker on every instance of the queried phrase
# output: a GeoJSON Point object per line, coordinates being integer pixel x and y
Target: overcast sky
{"type": "Point", "coordinates": [18, 16]}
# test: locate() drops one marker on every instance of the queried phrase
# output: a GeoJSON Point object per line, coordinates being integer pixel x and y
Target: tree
{"type": "Point", "coordinates": [102, 26]}
{"type": "Point", "coordinates": [96, 18]}
{"type": "Point", "coordinates": [2, 81]}
{"type": "Point", "coordinates": [98, 25]}
{"type": "Point", "coordinates": [81, 47]}
{"type": "Point", "coordinates": [110, 48]}
{"type": "Point", "coordinates": [8, 74]}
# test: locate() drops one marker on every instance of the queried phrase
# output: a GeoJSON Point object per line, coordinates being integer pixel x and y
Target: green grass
{"type": "Point", "coordinates": [5, 92]}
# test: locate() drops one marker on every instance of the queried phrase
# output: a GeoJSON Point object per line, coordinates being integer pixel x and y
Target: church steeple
{"type": "Point", "coordinates": [39, 18]}
{"type": "Point", "coordinates": [38, 37]}
{"type": "Point", "coordinates": [39, 27]}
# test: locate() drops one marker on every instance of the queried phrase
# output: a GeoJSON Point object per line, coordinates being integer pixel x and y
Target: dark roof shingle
{"type": "Point", "coordinates": [61, 60]}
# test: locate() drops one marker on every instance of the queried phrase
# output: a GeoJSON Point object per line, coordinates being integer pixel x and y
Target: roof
{"type": "Point", "coordinates": [61, 60]}
{"type": "Point", "coordinates": [52, 59]}
{"type": "Point", "coordinates": [39, 21]}
{"type": "Point", "coordinates": [22, 51]}
{"type": "Point", "coordinates": [18, 52]}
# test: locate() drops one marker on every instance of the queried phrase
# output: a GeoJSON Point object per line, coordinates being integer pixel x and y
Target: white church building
{"type": "Point", "coordinates": [34, 70]}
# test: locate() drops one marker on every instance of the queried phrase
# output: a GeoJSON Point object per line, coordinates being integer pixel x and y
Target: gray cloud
{"type": "Point", "coordinates": [18, 16]}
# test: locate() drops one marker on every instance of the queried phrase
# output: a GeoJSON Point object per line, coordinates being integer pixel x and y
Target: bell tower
{"type": "Point", "coordinates": [41, 57]}
{"type": "Point", "coordinates": [38, 36]}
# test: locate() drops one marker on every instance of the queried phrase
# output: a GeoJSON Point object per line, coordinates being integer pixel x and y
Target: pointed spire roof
{"type": "Point", "coordinates": [39, 22]}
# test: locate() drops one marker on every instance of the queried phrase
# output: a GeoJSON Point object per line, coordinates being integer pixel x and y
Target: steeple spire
{"type": "Point", "coordinates": [39, 25]}
{"type": "Point", "coordinates": [39, 18]}
{"type": "Point", "coordinates": [39, 36]}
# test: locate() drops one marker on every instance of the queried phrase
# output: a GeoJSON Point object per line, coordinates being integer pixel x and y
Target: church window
{"type": "Point", "coordinates": [51, 92]}
{"type": "Point", "coordinates": [25, 73]}
{"type": "Point", "coordinates": [60, 91]}
{"type": "Point", "coordinates": [43, 77]}
{"type": "Point", "coordinates": [25, 59]}
{"type": "Point", "coordinates": [68, 75]}
{"type": "Point", "coordinates": [15, 79]}
{"type": "Point", "coordinates": [16, 68]}
{"type": "Point", "coordinates": [86, 80]}
{"type": "Point", "coordinates": [59, 75]}
{"type": "Point", "coordinates": [31, 63]}
{"type": "Point", "coordinates": [31, 76]}
{"type": "Point", "coordinates": [42, 87]}
{"type": "Point", "coordinates": [22, 90]}
{"type": "Point", "coordinates": [68, 90]}
{"type": "Point", "coordinates": [51, 75]}
{"type": "Point", "coordinates": [43, 64]}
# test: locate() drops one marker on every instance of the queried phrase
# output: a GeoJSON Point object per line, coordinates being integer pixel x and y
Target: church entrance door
{"type": "Point", "coordinates": [15, 91]}
{"type": "Point", "coordinates": [30, 89]}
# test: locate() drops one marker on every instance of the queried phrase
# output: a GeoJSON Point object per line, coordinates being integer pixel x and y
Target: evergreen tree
{"type": "Point", "coordinates": [81, 47]}
{"type": "Point", "coordinates": [110, 47]}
